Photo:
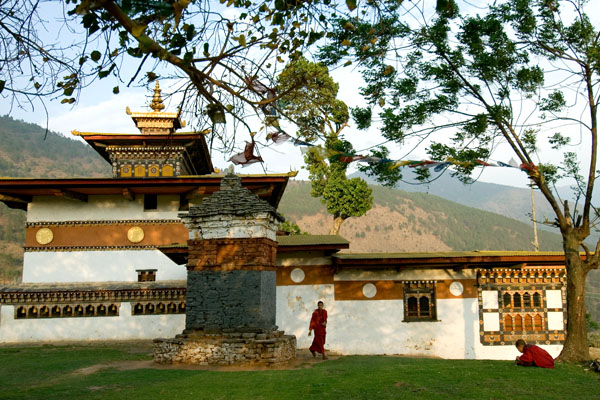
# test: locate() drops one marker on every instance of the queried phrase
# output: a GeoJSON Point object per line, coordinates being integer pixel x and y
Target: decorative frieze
{"type": "Point", "coordinates": [101, 222]}
{"type": "Point", "coordinates": [71, 296]}
{"type": "Point", "coordinates": [104, 235]}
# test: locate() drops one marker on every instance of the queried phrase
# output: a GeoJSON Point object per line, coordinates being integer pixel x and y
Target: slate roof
{"type": "Point", "coordinates": [232, 199]}
{"type": "Point", "coordinates": [308, 240]}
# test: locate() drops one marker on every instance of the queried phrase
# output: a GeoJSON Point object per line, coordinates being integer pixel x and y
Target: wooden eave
{"type": "Point", "coordinates": [178, 252]}
{"type": "Point", "coordinates": [447, 261]}
{"type": "Point", "coordinates": [267, 187]}
{"type": "Point", "coordinates": [328, 248]}
{"type": "Point", "coordinates": [195, 144]}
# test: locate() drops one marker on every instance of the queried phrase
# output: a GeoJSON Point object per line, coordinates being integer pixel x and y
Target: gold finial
{"type": "Point", "coordinates": [157, 104]}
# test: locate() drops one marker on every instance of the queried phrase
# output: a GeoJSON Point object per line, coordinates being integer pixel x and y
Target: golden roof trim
{"type": "Point", "coordinates": [154, 114]}
{"type": "Point", "coordinates": [75, 132]}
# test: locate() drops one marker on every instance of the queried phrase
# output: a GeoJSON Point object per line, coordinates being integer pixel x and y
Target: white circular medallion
{"type": "Point", "coordinates": [135, 234]}
{"type": "Point", "coordinates": [44, 236]}
{"type": "Point", "coordinates": [297, 275]}
{"type": "Point", "coordinates": [456, 288]}
{"type": "Point", "coordinates": [369, 290]}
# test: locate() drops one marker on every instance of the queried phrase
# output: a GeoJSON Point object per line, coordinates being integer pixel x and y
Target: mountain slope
{"type": "Point", "coordinates": [26, 151]}
{"type": "Point", "coordinates": [403, 221]}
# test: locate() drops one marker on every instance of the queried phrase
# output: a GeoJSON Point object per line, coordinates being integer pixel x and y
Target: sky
{"type": "Point", "coordinates": [98, 110]}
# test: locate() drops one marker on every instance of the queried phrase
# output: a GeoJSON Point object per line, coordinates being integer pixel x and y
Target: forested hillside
{"type": "Point", "coordinates": [26, 151]}
{"type": "Point", "coordinates": [403, 221]}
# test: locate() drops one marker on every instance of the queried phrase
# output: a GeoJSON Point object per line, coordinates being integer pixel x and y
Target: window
{"type": "Point", "coordinates": [184, 203]}
{"type": "Point", "coordinates": [146, 275]}
{"type": "Point", "coordinates": [526, 323]}
{"type": "Point", "coordinates": [419, 301]}
{"type": "Point", "coordinates": [521, 300]}
{"type": "Point", "coordinates": [150, 202]}
{"type": "Point", "coordinates": [537, 302]}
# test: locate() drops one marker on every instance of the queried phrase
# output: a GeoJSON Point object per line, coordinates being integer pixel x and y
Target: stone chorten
{"type": "Point", "coordinates": [231, 288]}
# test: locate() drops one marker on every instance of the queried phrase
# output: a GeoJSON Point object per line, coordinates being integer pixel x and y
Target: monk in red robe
{"type": "Point", "coordinates": [318, 322]}
{"type": "Point", "coordinates": [533, 356]}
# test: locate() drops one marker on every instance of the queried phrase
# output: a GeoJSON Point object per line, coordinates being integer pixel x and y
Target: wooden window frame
{"type": "Point", "coordinates": [150, 202]}
{"type": "Point", "coordinates": [418, 291]}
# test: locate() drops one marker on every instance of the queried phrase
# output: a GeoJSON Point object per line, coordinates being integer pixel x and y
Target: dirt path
{"type": "Point", "coordinates": [303, 360]}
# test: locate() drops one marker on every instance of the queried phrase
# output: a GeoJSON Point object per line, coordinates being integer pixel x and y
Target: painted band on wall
{"type": "Point", "coordinates": [108, 235]}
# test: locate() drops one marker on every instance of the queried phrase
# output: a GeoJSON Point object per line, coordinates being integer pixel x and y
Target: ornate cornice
{"type": "Point", "coordinates": [39, 224]}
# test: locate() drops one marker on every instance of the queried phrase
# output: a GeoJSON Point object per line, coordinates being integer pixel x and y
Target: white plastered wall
{"type": "Point", "coordinates": [98, 266]}
{"type": "Point", "coordinates": [123, 327]}
{"type": "Point", "coordinates": [376, 327]}
{"type": "Point", "coordinates": [100, 208]}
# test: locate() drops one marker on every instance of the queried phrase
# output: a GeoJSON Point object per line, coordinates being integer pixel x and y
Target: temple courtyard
{"type": "Point", "coordinates": [118, 370]}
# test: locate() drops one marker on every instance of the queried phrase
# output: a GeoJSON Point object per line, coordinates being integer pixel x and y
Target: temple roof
{"type": "Point", "coordinates": [17, 192]}
{"type": "Point", "coordinates": [157, 131]}
{"type": "Point", "coordinates": [194, 143]}
{"type": "Point", "coordinates": [456, 259]}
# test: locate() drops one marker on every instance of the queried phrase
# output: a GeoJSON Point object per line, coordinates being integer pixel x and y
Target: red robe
{"type": "Point", "coordinates": [316, 324]}
{"type": "Point", "coordinates": [535, 356]}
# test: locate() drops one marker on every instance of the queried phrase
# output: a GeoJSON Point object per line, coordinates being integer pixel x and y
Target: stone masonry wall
{"type": "Point", "coordinates": [238, 299]}
{"type": "Point", "coordinates": [226, 349]}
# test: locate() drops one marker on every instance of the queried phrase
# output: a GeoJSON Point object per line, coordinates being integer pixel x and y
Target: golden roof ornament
{"type": "Point", "coordinates": [156, 122]}
{"type": "Point", "coordinates": [157, 103]}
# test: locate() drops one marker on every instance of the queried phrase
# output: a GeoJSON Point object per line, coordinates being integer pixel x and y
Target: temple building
{"type": "Point", "coordinates": [110, 259]}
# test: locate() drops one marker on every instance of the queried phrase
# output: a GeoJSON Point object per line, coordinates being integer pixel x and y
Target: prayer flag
{"type": "Point", "coordinates": [246, 157]}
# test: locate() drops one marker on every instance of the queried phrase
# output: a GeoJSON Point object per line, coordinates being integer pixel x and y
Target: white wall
{"type": "Point", "coordinates": [99, 208]}
{"type": "Point", "coordinates": [376, 327]}
{"type": "Point", "coordinates": [123, 327]}
{"type": "Point", "coordinates": [98, 266]}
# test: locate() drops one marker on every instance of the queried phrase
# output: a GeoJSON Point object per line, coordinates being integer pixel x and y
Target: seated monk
{"type": "Point", "coordinates": [533, 356]}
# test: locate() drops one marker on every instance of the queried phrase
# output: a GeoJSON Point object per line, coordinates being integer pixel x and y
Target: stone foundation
{"type": "Point", "coordinates": [234, 348]}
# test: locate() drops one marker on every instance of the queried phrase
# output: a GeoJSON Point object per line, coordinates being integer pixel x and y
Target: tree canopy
{"type": "Point", "coordinates": [321, 117]}
{"type": "Point", "coordinates": [222, 57]}
{"type": "Point", "coordinates": [469, 81]}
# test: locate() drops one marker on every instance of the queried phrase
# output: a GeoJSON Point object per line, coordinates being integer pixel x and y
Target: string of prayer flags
{"type": "Point", "coordinates": [441, 166]}
{"type": "Point", "coordinates": [246, 157]}
{"type": "Point", "coordinates": [503, 164]}
{"type": "Point", "coordinates": [280, 137]}
{"type": "Point", "coordinates": [350, 158]}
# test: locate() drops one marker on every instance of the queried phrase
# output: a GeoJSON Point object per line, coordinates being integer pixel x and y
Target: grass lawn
{"type": "Point", "coordinates": [48, 372]}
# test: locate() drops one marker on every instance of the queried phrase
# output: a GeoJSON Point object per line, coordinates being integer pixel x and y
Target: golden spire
{"type": "Point", "coordinates": [157, 104]}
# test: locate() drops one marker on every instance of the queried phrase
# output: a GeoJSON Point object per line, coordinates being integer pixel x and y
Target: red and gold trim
{"type": "Point", "coordinates": [442, 289]}
{"type": "Point", "coordinates": [313, 275]}
{"type": "Point", "coordinates": [394, 290]}
{"type": "Point", "coordinates": [95, 235]}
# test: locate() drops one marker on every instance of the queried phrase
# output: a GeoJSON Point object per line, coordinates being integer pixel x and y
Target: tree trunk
{"type": "Point", "coordinates": [337, 223]}
{"type": "Point", "coordinates": [576, 347]}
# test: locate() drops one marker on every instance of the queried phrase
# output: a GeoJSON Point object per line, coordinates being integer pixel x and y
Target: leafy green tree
{"type": "Point", "coordinates": [309, 98]}
{"type": "Point", "coordinates": [525, 73]}
{"type": "Point", "coordinates": [291, 228]}
{"type": "Point", "coordinates": [222, 56]}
